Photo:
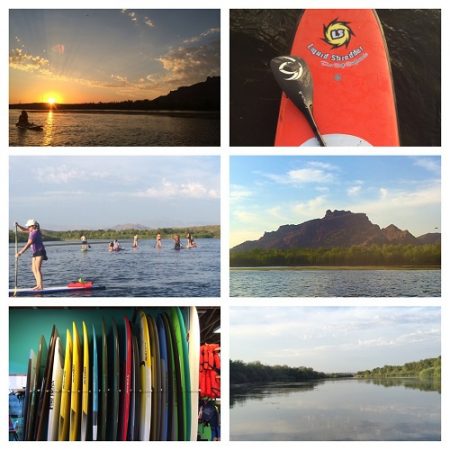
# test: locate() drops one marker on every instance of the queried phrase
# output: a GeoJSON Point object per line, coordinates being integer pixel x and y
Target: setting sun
{"type": "Point", "coordinates": [52, 98]}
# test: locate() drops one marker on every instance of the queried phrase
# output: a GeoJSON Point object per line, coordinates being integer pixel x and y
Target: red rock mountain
{"type": "Point", "coordinates": [335, 229]}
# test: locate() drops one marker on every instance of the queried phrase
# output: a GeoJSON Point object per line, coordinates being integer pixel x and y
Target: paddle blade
{"type": "Point", "coordinates": [294, 78]}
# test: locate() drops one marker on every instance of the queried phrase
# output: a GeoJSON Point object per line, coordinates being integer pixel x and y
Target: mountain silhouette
{"type": "Point", "coordinates": [335, 229]}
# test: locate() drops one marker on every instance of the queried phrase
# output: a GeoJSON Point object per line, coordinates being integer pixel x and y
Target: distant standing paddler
{"type": "Point", "coordinates": [135, 241]}
{"type": "Point", "coordinates": [37, 248]}
{"type": "Point", "coordinates": [158, 243]}
{"type": "Point", "coordinates": [84, 244]}
{"type": "Point", "coordinates": [190, 241]}
{"type": "Point", "coordinates": [177, 241]}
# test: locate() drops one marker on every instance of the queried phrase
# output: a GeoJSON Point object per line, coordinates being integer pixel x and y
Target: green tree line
{"type": "Point", "coordinates": [357, 255]}
{"type": "Point", "coordinates": [425, 369]}
{"type": "Point", "coordinates": [255, 372]}
{"type": "Point", "coordinates": [200, 232]}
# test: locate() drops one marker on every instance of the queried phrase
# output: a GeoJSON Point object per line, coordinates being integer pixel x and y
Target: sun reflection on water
{"type": "Point", "coordinates": [48, 129]}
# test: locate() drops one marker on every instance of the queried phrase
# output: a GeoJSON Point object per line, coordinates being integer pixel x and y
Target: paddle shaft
{"type": "Point", "coordinates": [313, 125]}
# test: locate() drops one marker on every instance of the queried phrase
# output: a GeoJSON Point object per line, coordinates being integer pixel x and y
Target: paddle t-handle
{"type": "Point", "coordinates": [294, 78]}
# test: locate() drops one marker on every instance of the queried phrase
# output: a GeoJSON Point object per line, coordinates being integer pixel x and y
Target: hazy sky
{"type": "Point", "coordinates": [334, 339]}
{"type": "Point", "coordinates": [101, 55]}
{"type": "Point", "coordinates": [269, 191]}
{"type": "Point", "coordinates": [98, 192]}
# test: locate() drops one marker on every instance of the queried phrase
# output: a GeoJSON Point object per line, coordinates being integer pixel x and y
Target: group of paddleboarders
{"type": "Point", "coordinates": [190, 242]}
{"type": "Point", "coordinates": [39, 253]}
{"type": "Point", "coordinates": [114, 246]}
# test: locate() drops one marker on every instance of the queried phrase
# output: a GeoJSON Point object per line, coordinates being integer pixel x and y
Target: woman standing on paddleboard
{"type": "Point", "coordinates": [38, 249]}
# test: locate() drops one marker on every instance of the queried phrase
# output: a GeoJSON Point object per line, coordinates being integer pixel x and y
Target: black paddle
{"type": "Point", "coordinates": [294, 78]}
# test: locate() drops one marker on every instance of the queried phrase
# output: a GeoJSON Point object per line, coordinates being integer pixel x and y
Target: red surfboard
{"type": "Point", "coordinates": [126, 382]}
{"type": "Point", "coordinates": [353, 94]}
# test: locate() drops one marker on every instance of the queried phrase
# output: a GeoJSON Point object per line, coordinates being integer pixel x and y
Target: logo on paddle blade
{"type": "Point", "coordinates": [337, 33]}
{"type": "Point", "coordinates": [292, 68]}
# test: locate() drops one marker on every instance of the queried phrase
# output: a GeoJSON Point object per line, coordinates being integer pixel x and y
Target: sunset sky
{"type": "Point", "coordinates": [76, 56]}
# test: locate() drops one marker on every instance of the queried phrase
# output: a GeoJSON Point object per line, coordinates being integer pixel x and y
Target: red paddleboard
{"type": "Point", "coordinates": [126, 386]}
{"type": "Point", "coordinates": [353, 94]}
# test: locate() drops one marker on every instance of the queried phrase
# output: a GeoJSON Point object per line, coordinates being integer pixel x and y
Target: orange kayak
{"type": "Point", "coordinates": [353, 93]}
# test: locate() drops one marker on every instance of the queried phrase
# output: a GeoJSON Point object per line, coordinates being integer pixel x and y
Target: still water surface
{"type": "Point", "coordinates": [108, 129]}
{"type": "Point", "coordinates": [141, 272]}
{"type": "Point", "coordinates": [335, 283]}
{"type": "Point", "coordinates": [346, 409]}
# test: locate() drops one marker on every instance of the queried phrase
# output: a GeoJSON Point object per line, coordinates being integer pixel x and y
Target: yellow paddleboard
{"type": "Point", "coordinates": [75, 396]}
{"type": "Point", "coordinates": [146, 379]}
{"type": "Point", "coordinates": [85, 390]}
{"type": "Point", "coordinates": [64, 411]}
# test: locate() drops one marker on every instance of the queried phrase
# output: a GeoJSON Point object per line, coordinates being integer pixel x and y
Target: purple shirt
{"type": "Point", "coordinates": [36, 238]}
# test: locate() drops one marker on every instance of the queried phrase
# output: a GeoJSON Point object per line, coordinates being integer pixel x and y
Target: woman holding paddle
{"type": "Point", "coordinates": [38, 249]}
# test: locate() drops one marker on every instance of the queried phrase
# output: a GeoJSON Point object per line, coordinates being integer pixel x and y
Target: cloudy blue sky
{"type": "Point", "coordinates": [97, 192]}
{"type": "Point", "coordinates": [96, 55]}
{"type": "Point", "coordinates": [269, 191]}
{"type": "Point", "coordinates": [334, 339]}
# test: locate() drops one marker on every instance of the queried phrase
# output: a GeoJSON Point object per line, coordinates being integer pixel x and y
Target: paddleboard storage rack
{"type": "Point", "coordinates": [102, 395]}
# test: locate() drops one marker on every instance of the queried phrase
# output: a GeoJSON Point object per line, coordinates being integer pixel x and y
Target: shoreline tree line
{"type": "Point", "coordinates": [256, 372]}
{"type": "Point", "coordinates": [356, 255]}
{"type": "Point", "coordinates": [199, 232]}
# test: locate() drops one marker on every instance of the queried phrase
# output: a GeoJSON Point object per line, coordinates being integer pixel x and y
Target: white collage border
{"type": "Point", "coordinates": [224, 152]}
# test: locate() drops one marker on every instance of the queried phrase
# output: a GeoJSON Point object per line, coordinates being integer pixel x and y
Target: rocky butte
{"type": "Point", "coordinates": [336, 229]}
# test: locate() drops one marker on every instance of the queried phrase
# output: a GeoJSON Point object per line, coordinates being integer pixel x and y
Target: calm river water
{"type": "Point", "coordinates": [334, 283]}
{"type": "Point", "coordinates": [346, 409]}
{"type": "Point", "coordinates": [141, 272]}
{"type": "Point", "coordinates": [110, 129]}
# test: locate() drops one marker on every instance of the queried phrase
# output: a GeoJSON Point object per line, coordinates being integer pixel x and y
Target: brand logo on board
{"type": "Point", "coordinates": [337, 33]}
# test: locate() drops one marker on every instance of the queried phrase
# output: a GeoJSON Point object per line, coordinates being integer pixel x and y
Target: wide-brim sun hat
{"type": "Point", "coordinates": [30, 223]}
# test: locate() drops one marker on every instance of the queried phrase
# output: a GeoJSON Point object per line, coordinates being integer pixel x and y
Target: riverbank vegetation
{"type": "Point", "coordinates": [425, 369]}
{"type": "Point", "coordinates": [358, 255]}
{"type": "Point", "coordinates": [255, 372]}
{"type": "Point", "coordinates": [198, 232]}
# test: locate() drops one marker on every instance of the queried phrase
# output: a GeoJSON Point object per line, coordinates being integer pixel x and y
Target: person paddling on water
{"type": "Point", "coordinates": [38, 249]}
{"type": "Point", "coordinates": [158, 243]}
{"type": "Point", "coordinates": [84, 243]}
{"type": "Point", "coordinates": [177, 241]}
{"type": "Point", "coordinates": [190, 241]}
{"type": "Point", "coordinates": [23, 119]}
{"type": "Point", "coordinates": [135, 241]}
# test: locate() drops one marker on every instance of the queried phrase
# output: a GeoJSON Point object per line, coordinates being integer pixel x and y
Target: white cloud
{"type": "Point", "coordinates": [169, 189]}
{"type": "Point", "coordinates": [149, 22]}
{"type": "Point", "coordinates": [58, 174]}
{"type": "Point", "coordinates": [19, 59]}
{"type": "Point", "coordinates": [431, 165]}
{"type": "Point", "coordinates": [311, 209]}
{"type": "Point", "coordinates": [184, 64]}
{"type": "Point", "coordinates": [322, 165]}
{"type": "Point", "coordinates": [239, 192]}
{"type": "Point", "coordinates": [354, 191]}
{"type": "Point", "coordinates": [201, 36]}
{"type": "Point", "coordinates": [315, 172]}
{"type": "Point", "coordinates": [383, 193]}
